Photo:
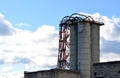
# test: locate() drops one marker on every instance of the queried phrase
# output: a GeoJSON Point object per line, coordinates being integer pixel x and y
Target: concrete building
{"type": "Point", "coordinates": [84, 51]}
{"type": "Point", "coordinates": [53, 73]}
{"type": "Point", "coordinates": [84, 46]}
{"type": "Point", "coordinates": [107, 70]}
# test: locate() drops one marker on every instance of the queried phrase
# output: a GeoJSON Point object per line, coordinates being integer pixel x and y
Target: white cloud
{"type": "Point", "coordinates": [110, 38]}
{"type": "Point", "coordinates": [38, 50]}
{"type": "Point", "coordinates": [111, 56]}
{"type": "Point", "coordinates": [14, 74]}
{"type": "Point", "coordinates": [35, 50]}
{"type": "Point", "coordinates": [6, 69]}
{"type": "Point", "coordinates": [111, 28]}
{"type": "Point", "coordinates": [5, 26]}
{"type": "Point", "coordinates": [26, 46]}
{"type": "Point", "coordinates": [22, 24]}
{"type": "Point", "coordinates": [1, 16]}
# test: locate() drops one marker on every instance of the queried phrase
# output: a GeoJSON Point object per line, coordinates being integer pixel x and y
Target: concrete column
{"type": "Point", "coordinates": [73, 50]}
{"type": "Point", "coordinates": [95, 48]}
{"type": "Point", "coordinates": [84, 49]}
{"type": "Point", "coordinates": [95, 42]}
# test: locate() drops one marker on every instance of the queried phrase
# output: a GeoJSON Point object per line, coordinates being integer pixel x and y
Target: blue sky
{"type": "Point", "coordinates": [29, 32]}
{"type": "Point", "coordinates": [39, 12]}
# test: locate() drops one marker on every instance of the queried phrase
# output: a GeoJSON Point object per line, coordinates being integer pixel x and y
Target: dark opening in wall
{"type": "Point", "coordinates": [119, 72]}
{"type": "Point", "coordinates": [95, 73]}
{"type": "Point", "coordinates": [99, 77]}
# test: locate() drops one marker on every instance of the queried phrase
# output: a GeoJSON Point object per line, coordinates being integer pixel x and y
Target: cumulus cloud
{"type": "Point", "coordinates": [111, 56]}
{"type": "Point", "coordinates": [109, 46]}
{"type": "Point", "coordinates": [14, 74]}
{"type": "Point", "coordinates": [6, 69]}
{"type": "Point", "coordinates": [109, 38]}
{"type": "Point", "coordinates": [22, 24]}
{"type": "Point", "coordinates": [5, 26]}
{"type": "Point", "coordinates": [34, 50]}
{"type": "Point", "coordinates": [2, 61]}
{"type": "Point", "coordinates": [30, 47]}
{"type": "Point", "coordinates": [111, 29]}
{"type": "Point", "coordinates": [38, 50]}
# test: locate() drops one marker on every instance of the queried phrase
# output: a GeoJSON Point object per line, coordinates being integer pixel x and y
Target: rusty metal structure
{"type": "Point", "coordinates": [64, 36]}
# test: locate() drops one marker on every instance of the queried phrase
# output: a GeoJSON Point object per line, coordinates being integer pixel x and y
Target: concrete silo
{"type": "Point", "coordinates": [84, 42]}
{"type": "Point", "coordinates": [79, 42]}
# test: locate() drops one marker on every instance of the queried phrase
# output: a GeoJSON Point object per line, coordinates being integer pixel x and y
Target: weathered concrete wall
{"type": "Point", "coordinates": [107, 70]}
{"type": "Point", "coordinates": [95, 40]}
{"type": "Point", "coordinates": [53, 73]}
{"type": "Point", "coordinates": [40, 74]}
{"type": "Point", "coordinates": [95, 45]}
{"type": "Point", "coordinates": [73, 45]}
{"type": "Point", "coordinates": [67, 74]}
{"type": "Point", "coordinates": [84, 47]}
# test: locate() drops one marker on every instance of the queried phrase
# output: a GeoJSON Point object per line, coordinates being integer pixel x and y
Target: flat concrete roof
{"type": "Point", "coordinates": [54, 70]}
{"type": "Point", "coordinates": [109, 62]}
